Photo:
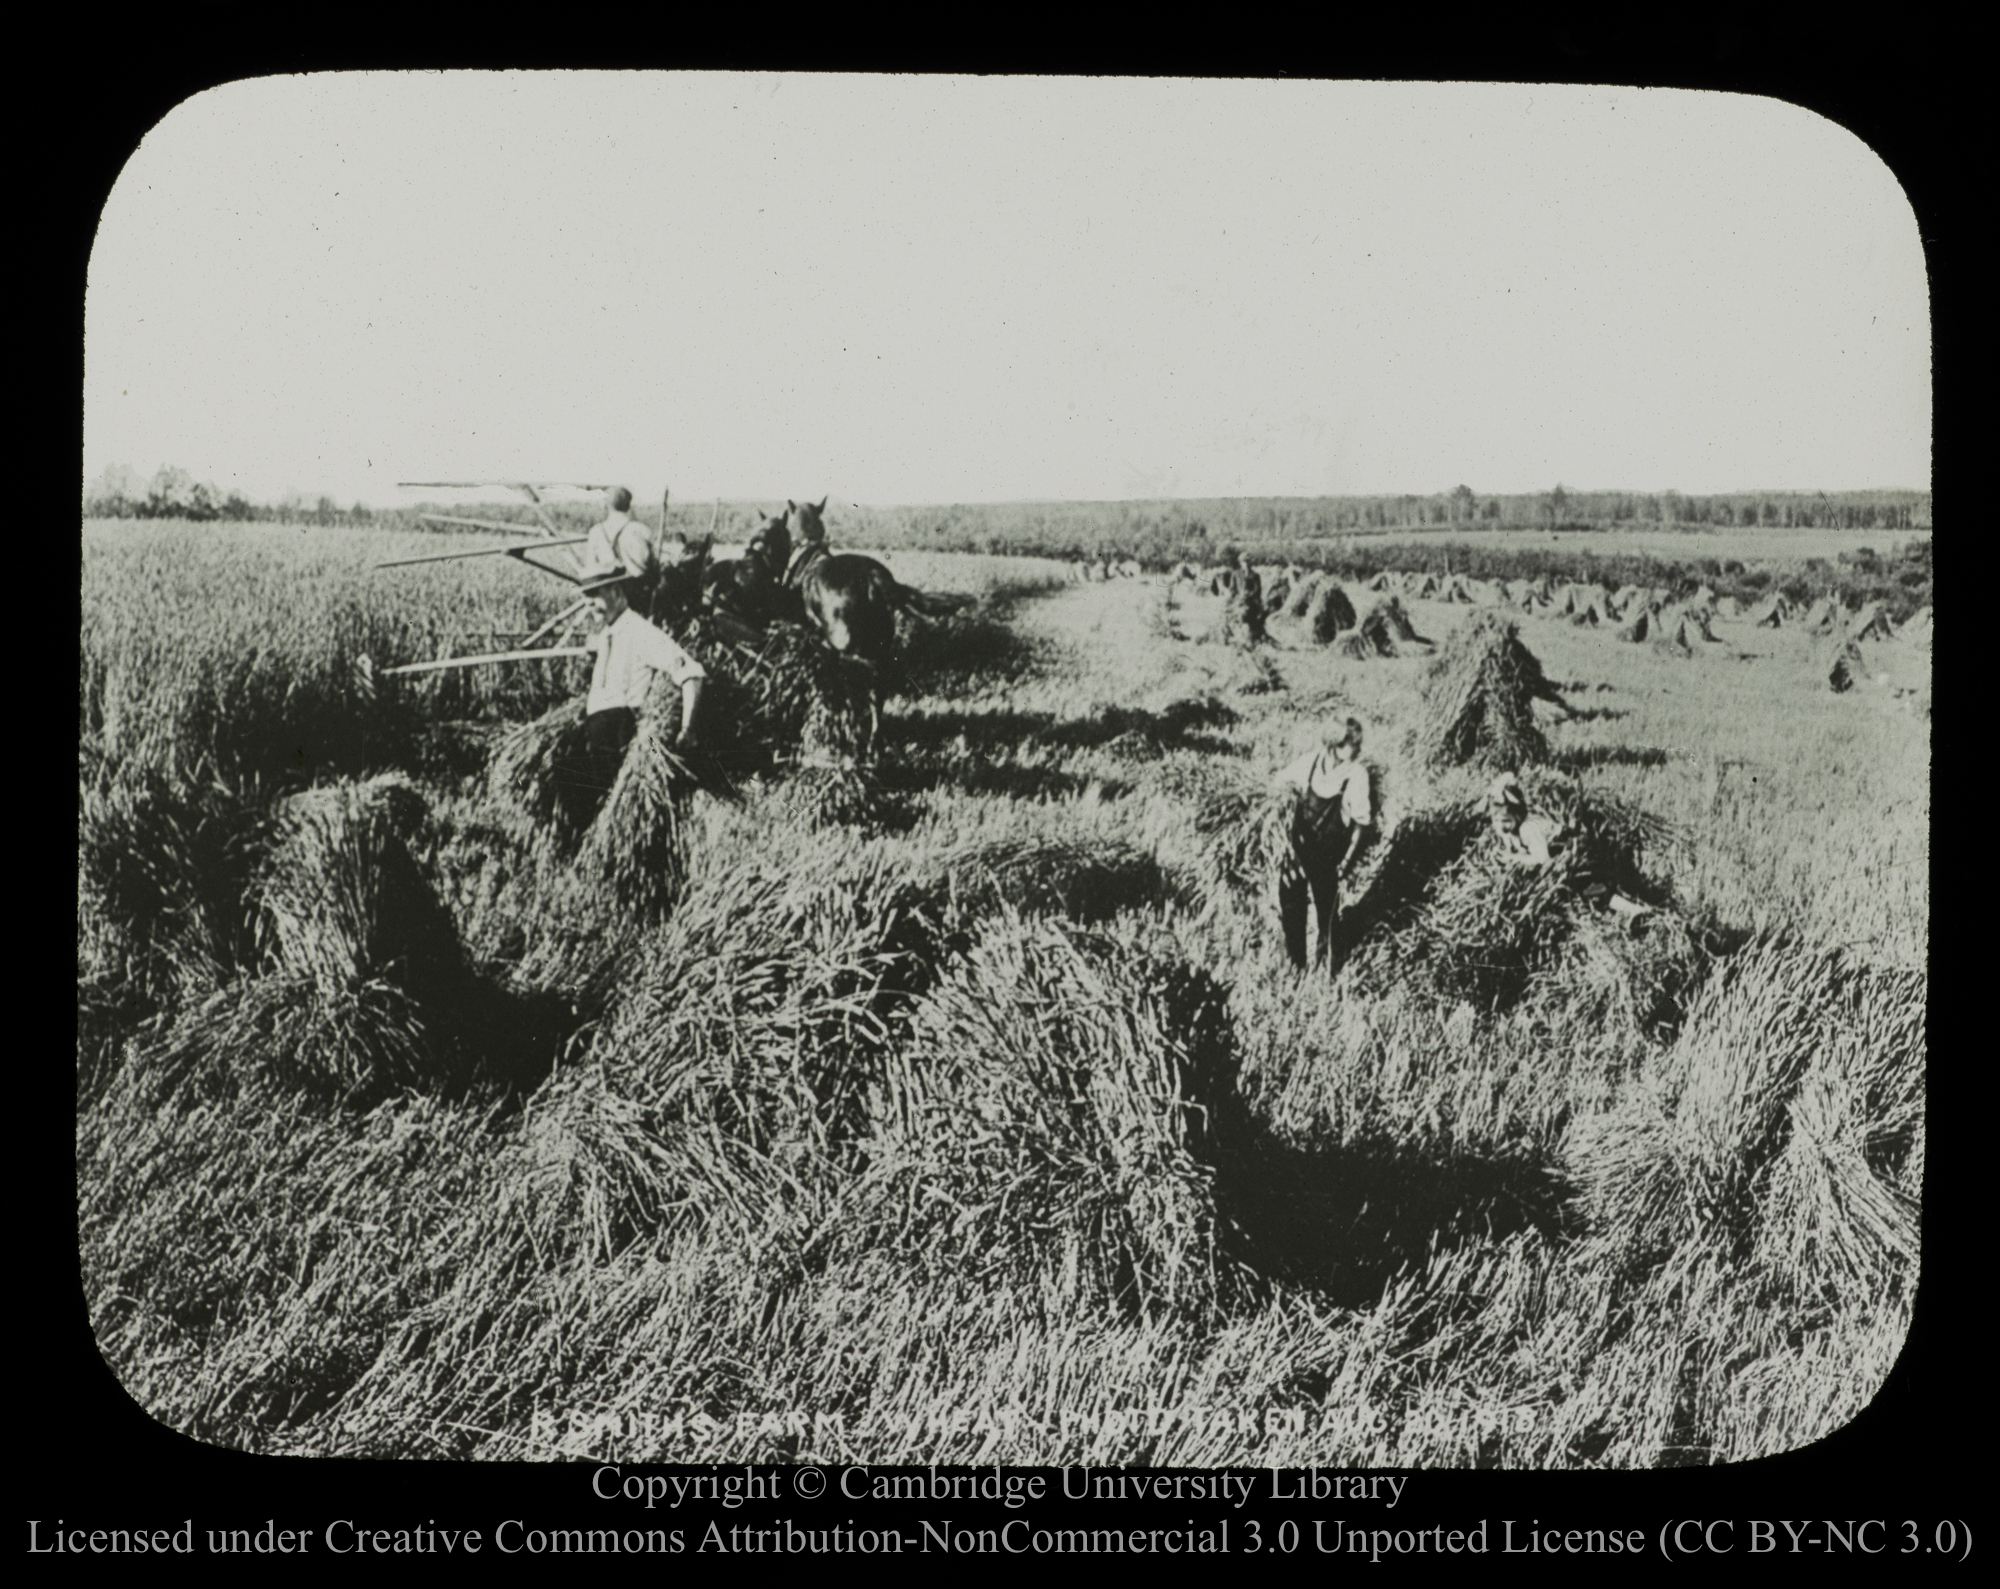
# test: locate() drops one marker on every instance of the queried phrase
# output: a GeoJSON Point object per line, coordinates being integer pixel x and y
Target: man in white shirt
{"type": "Point", "coordinates": [620, 539]}
{"type": "Point", "coordinates": [629, 652]}
{"type": "Point", "coordinates": [1333, 812]}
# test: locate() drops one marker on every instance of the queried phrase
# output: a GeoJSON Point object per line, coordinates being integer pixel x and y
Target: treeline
{"type": "Point", "coordinates": [1159, 531]}
{"type": "Point", "coordinates": [1195, 530]}
{"type": "Point", "coordinates": [173, 493]}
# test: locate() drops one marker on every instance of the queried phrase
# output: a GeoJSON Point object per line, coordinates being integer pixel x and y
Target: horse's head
{"type": "Point", "coordinates": [771, 546]}
{"type": "Point", "coordinates": [805, 521]}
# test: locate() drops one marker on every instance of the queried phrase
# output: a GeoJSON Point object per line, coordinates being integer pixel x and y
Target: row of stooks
{"type": "Point", "coordinates": [1634, 613]}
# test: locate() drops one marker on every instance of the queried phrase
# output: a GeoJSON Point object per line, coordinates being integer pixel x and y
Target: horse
{"type": "Point", "coordinates": [745, 594]}
{"type": "Point", "coordinates": [670, 593]}
{"type": "Point", "coordinates": [852, 601]}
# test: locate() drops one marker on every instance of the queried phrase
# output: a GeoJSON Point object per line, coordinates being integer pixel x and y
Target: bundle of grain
{"type": "Point", "coordinates": [1538, 587]}
{"type": "Point", "coordinates": [1479, 695]}
{"type": "Point", "coordinates": [1844, 667]}
{"type": "Point", "coordinates": [1381, 581]}
{"type": "Point", "coordinates": [1181, 571]}
{"type": "Point", "coordinates": [542, 770]}
{"type": "Point", "coordinates": [773, 997]}
{"type": "Point", "coordinates": [1056, 1111]}
{"type": "Point", "coordinates": [1399, 623]}
{"type": "Point", "coordinates": [1668, 636]}
{"type": "Point", "coordinates": [1243, 612]}
{"type": "Point", "coordinates": [1680, 630]}
{"type": "Point", "coordinates": [810, 694]}
{"type": "Point", "coordinates": [1870, 623]}
{"type": "Point", "coordinates": [1520, 592]}
{"type": "Point", "coordinates": [1087, 880]}
{"type": "Point", "coordinates": [1276, 593]}
{"type": "Point", "coordinates": [1823, 617]}
{"type": "Point", "coordinates": [1771, 612]}
{"type": "Point", "coordinates": [1329, 612]}
{"type": "Point", "coordinates": [163, 870]}
{"type": "Point", "coordinates": [341, 899]}
{"type": "Point", "coordinates": [1302, 594]}
{"type": "Point", "coordinates": [767, 997]}
{"type": "Point", "coordinates": [637, 842]}
{"type": "Point", "coordinates": [1586, 616]}
{"type": "Point", "coordinates": [355, 1044]}
{"type": "Point", "coordinates": [1704, 595]}
{"type": "Point", "coordinates": [1423, 586]}
{"type": "Point", "coordinates": [1465, 917]}
{"type": "Point", "coordinates": [784, 691]}
{"type": "Point", "coordinates": [364, 979]}
{"type": "Point", "coordinates": [1637, 629]}
{"type": "Point", "coordinates": [598, 1171]}
{"type": "Point", "coordinates": [1728, 607]}
{"type": "Point", "coordinates": [1628, 598]}
{"type": "Point", "coordinates": [1784, 1128]}
{"type": "Point", "coordinates": [1842, 1200]}
{"type": "Point", "coordinates": [1242, 823]}
{"type": "Point", "coordinates": [1917, 628]}
{"type": "Point", "coordinates": [1452, 588]}
{"type": "Point", "coordinates": [1371, 637]}
{"type": "Point", "coordinates": [1695, 621]}
{"type": "Point", "coordinates": [819, 794]}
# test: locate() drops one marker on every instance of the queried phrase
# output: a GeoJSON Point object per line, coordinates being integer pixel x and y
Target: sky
{"type": "Point", "coordinates": [900, 289]}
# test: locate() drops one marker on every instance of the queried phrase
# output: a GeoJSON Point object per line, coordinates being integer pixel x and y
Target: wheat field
{"type": "Point", "coordinates": [963, 1107]}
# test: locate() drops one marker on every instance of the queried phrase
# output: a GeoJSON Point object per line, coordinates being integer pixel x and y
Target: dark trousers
{"type": "Point", "coordinates": [1302, 878]}
{"type": "Point", "coordinates": [607, 736]}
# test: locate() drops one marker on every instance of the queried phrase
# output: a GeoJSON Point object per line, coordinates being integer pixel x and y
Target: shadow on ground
{"type": "Point", "coordinates": [1344, 1220]}
{"type": "Point", "coordinates": [1576, 758]}
{"type": "Point", "coordinates": [951, 656]}
{"type": "Point", "coordinates": [1180, 725]}
{"type": "Point", "coordinates": [911, 778]}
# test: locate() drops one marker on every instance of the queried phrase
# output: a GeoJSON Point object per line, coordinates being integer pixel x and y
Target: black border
{"type": "Point", "coordinates": [90, 1456]}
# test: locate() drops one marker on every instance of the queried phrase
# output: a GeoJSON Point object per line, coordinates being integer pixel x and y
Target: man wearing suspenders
{"type": "Point", "coordinates": [1333, 812]}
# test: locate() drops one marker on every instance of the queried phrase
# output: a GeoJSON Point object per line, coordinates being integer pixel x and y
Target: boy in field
{"type": "Point", "coordinates": [1526, 838]}
{"type": "Point", "coordinates": [1332, 813]}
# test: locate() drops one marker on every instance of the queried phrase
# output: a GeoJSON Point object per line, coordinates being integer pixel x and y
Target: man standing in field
{"type": "Point", "coordinates": [1243, 609]}
{"type": "Point", "coordinates": [1333, 809]}
{"type": "Point", "coordinates": [629, 651]}
{"type": "Point", "coordinates": [620, 539]}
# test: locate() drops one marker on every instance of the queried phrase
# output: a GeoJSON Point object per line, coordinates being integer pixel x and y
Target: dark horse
{"type": "Point", "coordinates": [852, 601]}
{"type": "Point", "coordinates": [745, 594]}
